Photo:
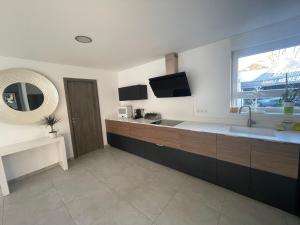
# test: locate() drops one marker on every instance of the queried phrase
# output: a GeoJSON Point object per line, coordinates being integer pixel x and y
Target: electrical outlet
{"type": "Point", "coordinates": [201, 111]}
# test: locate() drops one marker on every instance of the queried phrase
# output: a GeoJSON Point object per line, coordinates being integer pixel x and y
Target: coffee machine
{"type": "Point", "coordinates": [138, 113]}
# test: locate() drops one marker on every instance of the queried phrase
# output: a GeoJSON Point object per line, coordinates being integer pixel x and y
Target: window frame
{"type": "Point", "coordinates": [236, 54]}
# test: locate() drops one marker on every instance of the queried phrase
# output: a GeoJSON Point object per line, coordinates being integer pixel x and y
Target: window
{"type": "Point", "coordinates": [259, 75]}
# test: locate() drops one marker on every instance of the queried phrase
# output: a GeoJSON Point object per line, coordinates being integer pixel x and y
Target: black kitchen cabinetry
{"type": "Point", "coordinates": [272, 189]}
{"type": "Point", "coordinates": [233, 177]}
{"type": "Point", "coordinates": [196, 165]}
{"type": "Point", "coordinates": [193, 164]}
{"type": "Point", "coordinates": [136, 92]}
{"type": "Point", "coordinates": [278, 191]}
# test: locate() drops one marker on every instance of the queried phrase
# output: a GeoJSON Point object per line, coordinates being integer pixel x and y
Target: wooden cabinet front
{"type": "Point", "coordinates": [277, 158]}
{"type": "Point", "coordinates": [198, 142]}
{"type": "Point", "coordinates": [141, 132]}
{"type": "Point", "coordinates": [117, 127]}
{"type": "Point", "coordinates": [165, 136]}
{"type": "Point", "coordinates": [234, 150]}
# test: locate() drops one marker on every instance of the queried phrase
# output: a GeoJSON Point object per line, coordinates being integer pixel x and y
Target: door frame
{"type": "Point", "coordinates": [100, 133]}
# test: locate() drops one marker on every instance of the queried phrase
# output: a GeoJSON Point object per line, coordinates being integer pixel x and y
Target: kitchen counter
{"type": "Point", "coordinates": [292, 137]}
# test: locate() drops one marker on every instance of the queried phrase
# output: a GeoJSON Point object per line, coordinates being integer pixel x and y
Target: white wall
{"type": "Point", "coordinates": [209, 73]}
{"type": "Point", "coordinates": [20, 164]}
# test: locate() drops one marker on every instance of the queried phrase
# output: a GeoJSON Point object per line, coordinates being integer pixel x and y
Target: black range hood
{"type": "Point", "coordinates": [173, 85]}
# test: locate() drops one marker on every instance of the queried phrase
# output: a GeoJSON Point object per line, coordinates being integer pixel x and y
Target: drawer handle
{"type": "Point", "coordinates": [159, 145]}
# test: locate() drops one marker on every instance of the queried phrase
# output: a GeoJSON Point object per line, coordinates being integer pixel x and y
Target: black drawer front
{"type": "Point", "coordinates": [233, 177]}
{"type": "Point", "coordinates": [115, 140]}
{"type": "Point", "coordinates": [193, 164]}
{"type": "Point", "coordinates": [275, 190]}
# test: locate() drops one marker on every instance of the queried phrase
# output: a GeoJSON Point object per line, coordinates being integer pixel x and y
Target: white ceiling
{"type": "Point", "coordinates": [127, 32]}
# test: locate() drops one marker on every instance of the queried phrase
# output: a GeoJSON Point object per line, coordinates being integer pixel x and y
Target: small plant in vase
{"type": "Point", "coordinates": [51, 121]}
{"type": "Point", "coordinates": [288, 98]}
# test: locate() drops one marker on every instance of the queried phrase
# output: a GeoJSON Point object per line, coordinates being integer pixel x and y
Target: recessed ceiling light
{"type": "Point", "coordinates": [83, 39]}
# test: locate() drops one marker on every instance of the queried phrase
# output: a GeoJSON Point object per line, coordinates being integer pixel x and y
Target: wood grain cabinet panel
{"type": "Point", "coordinates": [277, 158]}
{"type": "Point", "coordinates": [141, 132]}
{"type": "Point", "coordinates": [117, 127]}
{"type": "Point", "coordinates": [198, 142]}
{"type": "Point", "coordinates": [156, 134]}
{"type": "Point", "coordinates": [165, 136]}
{"type": "Point", "coordinates": [234, 150]}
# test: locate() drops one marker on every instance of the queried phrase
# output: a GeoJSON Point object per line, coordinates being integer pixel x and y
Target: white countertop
{"type": "Point", "coordinates": [278, 136]}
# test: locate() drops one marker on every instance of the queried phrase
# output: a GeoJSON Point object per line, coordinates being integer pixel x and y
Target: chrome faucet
{"type": "Point", "coordinates": [250, 122]}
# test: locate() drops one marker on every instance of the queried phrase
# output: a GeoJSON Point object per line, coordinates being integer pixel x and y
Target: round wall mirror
{"type": "Point", "coordinates": [26, 96]}
{"type": "Point", "coordinates": [23, 96]}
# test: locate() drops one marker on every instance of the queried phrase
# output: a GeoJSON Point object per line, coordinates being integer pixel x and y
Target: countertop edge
{"type": "Point", "coordinates": [220, 132]}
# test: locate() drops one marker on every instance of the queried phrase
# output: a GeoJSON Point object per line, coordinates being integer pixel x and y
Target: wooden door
{"type": "Point", "coordinates": [84, 115]}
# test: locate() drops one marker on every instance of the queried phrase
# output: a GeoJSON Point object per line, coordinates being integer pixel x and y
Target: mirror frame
{"type": "Point", "coordinates": [51, 97]}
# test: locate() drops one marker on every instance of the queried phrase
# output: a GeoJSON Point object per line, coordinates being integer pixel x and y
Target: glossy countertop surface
{"type": "Point", "coordinates": [278, 136]}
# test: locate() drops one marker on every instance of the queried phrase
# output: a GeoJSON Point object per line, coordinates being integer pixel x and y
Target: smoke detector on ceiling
{"type": "Point", "coordinates": [83, 39]}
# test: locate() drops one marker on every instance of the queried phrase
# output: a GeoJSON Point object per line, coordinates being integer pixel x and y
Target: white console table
{"type": "Point", "coordinates": [23, 146]}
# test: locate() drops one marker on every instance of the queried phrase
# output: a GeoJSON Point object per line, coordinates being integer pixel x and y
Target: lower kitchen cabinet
{"type": "Point", "coordinates": [127, 144]}
{"type": "Point", "coordinates": [115, 140]}
{"type": "Point", "coordinates": [276, 190]}
{"type": "Point", "coordinates": [233, 165]}
{"type": "Point", "coordinates": [233, 177]}
{"type": "Point", "coordinates": [273, 189]}
{"type": "Point", "coordinates": [196, 165]}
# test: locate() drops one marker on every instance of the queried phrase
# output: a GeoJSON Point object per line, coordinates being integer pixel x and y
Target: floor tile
{"type": "Point", "coordinates": [154, 190]}
{"type": "Point", "coordinates": [128, 180]}
{"type": "Point", "coordinates": [150, 200]}
{"type": "Point", "coordinates": [88, 209]}
{"type": "Point", "coordinates": [184, 210]}
{"type": "Point", "coordinates": [124, 214]}
{"type": "Point", "coordinates": [205, 192]}
{"type": "Point", "coordinates": [251, 212]}
{"type": "Point", "coordinates": [226, 221]}
{"type": "Point", "coordinates": [74, 183]}
{"type": "Point", "coordinates": [59, 216]}
{"type": "Point", "coordinates": [104, 207]}
{"type": "Point", "coordinates": [167, 179]}
{"type": "Point", "coordinates": [29, 187]}
{"type": "Point", "coordinates": [23, 212]}
{"type": "Point", "coordinates": [105, 169]}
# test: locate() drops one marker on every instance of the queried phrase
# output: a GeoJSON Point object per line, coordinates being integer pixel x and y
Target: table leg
{"type": "Point", "coordinates": [3, 179]}
{"type": "Point", "coordinates": [62, 154]}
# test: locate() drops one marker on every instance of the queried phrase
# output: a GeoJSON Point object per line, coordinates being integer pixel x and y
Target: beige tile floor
{"type": "Point", "coordinates": [112, 187]}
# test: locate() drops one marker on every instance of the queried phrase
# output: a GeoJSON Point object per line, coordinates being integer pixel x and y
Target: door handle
{"type": "Point", "coordinates": [74, 119]}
